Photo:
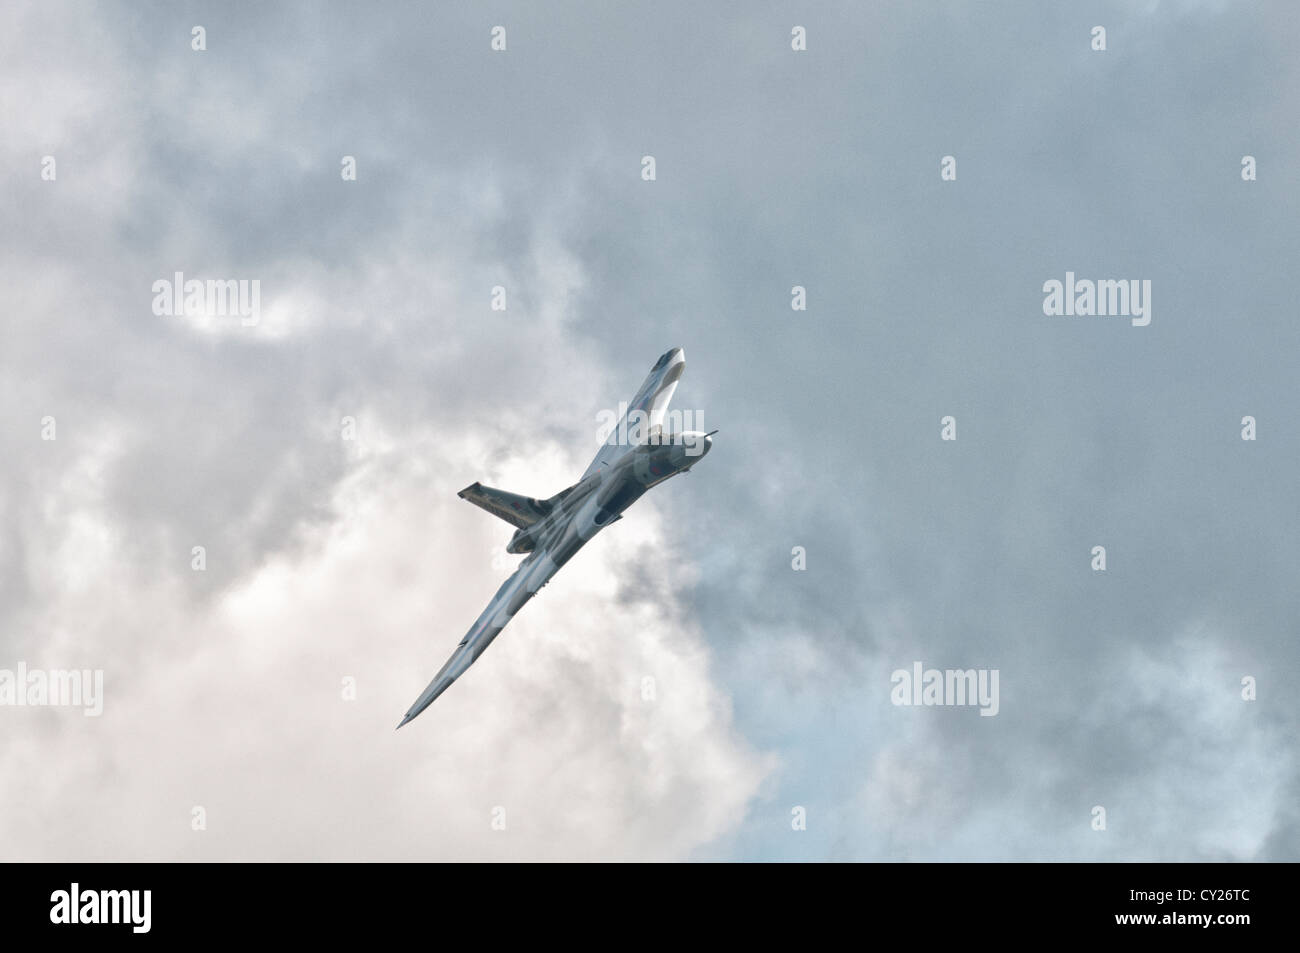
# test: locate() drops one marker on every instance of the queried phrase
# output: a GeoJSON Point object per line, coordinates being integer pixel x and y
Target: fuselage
{"type": "Point", "coordinates": [601, 498]}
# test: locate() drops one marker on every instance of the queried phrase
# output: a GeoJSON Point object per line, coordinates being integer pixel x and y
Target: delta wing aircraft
{"type": "Point", "coordinates": [637, 455]}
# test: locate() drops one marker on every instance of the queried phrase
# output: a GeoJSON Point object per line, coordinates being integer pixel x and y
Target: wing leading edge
{"type": "Point", "coordinates": [533, 573]}
{"type": "Point", "coordinates": [651, 399]}
{"type": "Point", "coordinates": [519, 511]}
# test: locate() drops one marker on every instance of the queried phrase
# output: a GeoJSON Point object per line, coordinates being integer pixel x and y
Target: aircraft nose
{"type": "Point", "coordinates": [699, 446]}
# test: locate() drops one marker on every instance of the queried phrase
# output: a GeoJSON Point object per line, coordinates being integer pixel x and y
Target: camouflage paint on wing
{"type": "Point", "coordinates": [533, 573]}
{"type": "Point", "coordinates": [652, 400]}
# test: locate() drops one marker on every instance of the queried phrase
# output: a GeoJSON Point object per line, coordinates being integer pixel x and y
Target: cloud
{"type": "Point", "coordinates": [329, 558]}
{"type": "Point", "coordinates": [234, 703]}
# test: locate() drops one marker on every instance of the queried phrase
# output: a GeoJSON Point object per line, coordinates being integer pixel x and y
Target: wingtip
{"type": "Point", "coordinates": [403, 721]}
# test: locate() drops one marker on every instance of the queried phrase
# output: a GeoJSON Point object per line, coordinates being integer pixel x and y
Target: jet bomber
{"type": "Point", "coordinates": [637, 455]}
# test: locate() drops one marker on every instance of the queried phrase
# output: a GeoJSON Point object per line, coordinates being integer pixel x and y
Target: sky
{"type": "Point", "coordinates": [714, 678]}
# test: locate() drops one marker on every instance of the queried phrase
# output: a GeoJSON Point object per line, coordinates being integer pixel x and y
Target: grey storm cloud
{"type": "Point", "coordinates": [331, 559]}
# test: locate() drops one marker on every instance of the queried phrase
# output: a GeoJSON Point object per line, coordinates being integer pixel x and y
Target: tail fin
{"type": "Point", "coordinates": [520, 511]}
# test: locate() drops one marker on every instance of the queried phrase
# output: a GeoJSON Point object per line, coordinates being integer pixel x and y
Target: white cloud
{"type": "Point", "coordinates": [240, 710]}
